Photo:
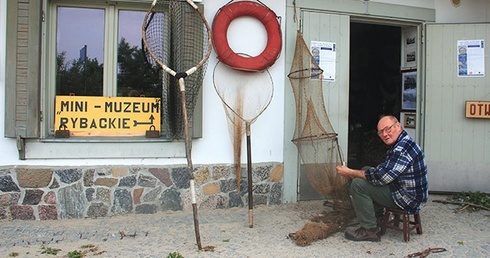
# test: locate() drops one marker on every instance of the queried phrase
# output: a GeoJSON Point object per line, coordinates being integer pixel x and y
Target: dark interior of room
{"type": "Point", "coordinates": [375, 89]}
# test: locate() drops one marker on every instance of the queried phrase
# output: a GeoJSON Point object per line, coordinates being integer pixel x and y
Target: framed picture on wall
{"type": "Point", "coordinates": [409, 120]}
{"type": "Point", "coordinates": [409, 47]}
{"type": "Point", "coordinates": [409, 90]}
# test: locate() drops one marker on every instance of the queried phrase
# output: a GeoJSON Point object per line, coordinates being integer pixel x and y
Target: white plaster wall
{"type": "Point", "coordinates": [246, 35]}
{"type": "Point", "coordinates": [417, 3]}
{"type": "Point", "coordinates": [469, 11]}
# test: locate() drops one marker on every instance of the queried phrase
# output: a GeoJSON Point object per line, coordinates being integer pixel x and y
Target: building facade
{"type": "Point", "coordinates": [44, 177]}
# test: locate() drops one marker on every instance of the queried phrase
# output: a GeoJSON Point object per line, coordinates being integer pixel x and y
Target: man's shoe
{"type": "Point", "coordinates": [362, 234]}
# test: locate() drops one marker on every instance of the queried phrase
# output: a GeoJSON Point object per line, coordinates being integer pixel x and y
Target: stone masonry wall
{"type": "Point", "coordinates": [90, 192]}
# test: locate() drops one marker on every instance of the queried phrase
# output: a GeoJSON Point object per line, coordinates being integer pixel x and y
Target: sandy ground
{"type": "Point", "coordinates": [226, 232]}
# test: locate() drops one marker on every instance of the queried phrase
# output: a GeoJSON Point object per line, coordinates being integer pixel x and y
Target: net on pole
{"type": "Point", "coordinates": [245, 96]}
{"type": "Point", "coordinates": [184, 57]}
{"type": "Point", "coordinates": [175, 35]}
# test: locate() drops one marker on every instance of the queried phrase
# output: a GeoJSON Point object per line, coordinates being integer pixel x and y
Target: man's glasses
{"type": "Point", "coordinates": [386, 129]}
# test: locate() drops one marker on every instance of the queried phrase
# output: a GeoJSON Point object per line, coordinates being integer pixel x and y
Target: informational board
{"type": "Point", "coordinates": [471, 58]}
{"type": "Point", "coordinates": [107, 116]}
{"type": "Point", "coordinates": [325, 56]}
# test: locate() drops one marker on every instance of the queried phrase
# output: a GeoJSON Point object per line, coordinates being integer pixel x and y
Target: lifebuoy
{"type": "Point", "coordinates": [220, 41]}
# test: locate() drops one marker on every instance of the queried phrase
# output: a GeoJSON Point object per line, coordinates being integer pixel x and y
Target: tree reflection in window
{"type": "Point", "coordinates": [135, 77]}
{"type": "Point", "coordinates": [80, 55]}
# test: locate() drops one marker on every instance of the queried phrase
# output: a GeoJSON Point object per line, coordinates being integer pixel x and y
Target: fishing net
{"type": "Point", "coordinates": [184, 57]}
{"type": "Point", "coordinates": [177, 37]}
{"type": "Point", "coordinates": [245, 96]}
{"type": "Point", "coordinates": [318, 146]}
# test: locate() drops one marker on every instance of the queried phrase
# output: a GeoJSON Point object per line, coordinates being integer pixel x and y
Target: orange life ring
{"type": "Point", "coordinates": [220, 41]}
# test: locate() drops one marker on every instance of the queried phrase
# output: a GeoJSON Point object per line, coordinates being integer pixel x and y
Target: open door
{"type": "Point", "coordinates": [330, 28]}
{"type": "Point", "coordinates": [457, 148]}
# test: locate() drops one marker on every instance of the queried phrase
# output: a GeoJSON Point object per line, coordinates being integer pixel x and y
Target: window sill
{"type": "Point", "coordinates": [103, 148]}
{"type": "Point", "coordinates": [79, 139]}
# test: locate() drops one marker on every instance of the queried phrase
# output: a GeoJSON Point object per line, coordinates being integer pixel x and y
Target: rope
{"type": "Point", "coordinates": [426, 252]}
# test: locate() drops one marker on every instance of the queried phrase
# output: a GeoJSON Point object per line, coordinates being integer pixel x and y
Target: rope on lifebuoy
{"type": "Point", "coordinates": [266, 16]}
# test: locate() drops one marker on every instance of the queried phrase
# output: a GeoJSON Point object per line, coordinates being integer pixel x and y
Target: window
{"type": "Point", "coordinates": [84, 48]}
{"type": "Point", "coordinates": [82, 33]}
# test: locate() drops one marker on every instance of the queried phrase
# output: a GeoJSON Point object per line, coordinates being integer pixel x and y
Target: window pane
{"type": "Point", "coordinates": [80, 51]}
{"type": "Point", "coordinates": [135, 77]}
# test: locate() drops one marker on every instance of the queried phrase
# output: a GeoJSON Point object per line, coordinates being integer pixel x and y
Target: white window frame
{"type": "Point", "coordinates": [48, 147]}
{"type": "Point", "coordinates": [110, 52]}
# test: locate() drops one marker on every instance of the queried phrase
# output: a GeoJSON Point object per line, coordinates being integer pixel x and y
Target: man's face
{"type": "Point", "coordinates": [388, 130]}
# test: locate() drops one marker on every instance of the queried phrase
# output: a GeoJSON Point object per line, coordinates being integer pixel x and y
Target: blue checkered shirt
{"type": "Point", "coordinates": [405, 171]}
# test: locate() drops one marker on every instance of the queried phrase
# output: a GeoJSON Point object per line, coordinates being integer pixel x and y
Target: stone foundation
{"type": "Point", "coordinates": [90, 192]}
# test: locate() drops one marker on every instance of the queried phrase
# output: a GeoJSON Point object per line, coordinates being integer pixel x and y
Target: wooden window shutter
{"type": "Point", "coordinates": [22, 85]}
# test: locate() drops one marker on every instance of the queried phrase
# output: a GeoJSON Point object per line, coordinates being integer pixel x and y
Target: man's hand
{"type": "Point", "coordinates": [345, 171]}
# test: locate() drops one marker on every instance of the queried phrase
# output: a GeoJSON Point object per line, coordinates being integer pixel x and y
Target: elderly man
{"type": "Point", "coordinates": [399, 182]}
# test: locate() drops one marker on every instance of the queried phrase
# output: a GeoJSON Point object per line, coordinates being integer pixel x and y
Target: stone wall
{"type": "Point", "coordinates": [81, 192]}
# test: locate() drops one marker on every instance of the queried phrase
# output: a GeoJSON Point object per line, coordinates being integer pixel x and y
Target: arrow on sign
{"type": "Point", "coordinates": [144, 123]}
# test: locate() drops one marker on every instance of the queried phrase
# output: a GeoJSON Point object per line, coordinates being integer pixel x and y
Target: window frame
{"type": "Point", "coordinates": [111, 19]}
{"type": "Point", "coordinates": [48, 73]}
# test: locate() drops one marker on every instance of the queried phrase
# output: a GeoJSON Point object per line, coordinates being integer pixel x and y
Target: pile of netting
{"type": "Point", "coordinates": [318, 148]}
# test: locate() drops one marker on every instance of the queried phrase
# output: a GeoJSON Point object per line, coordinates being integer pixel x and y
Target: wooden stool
{"type": "Point", "coordinates": [407, 224]}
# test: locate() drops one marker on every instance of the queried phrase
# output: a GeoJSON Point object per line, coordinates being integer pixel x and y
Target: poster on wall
{"type": "Point", "coordinates": [409, 90]}
{"type": "Point", "coordinates": [471, 58]}
{"type": "Point", "coordinates": [409, 47]}
{"type": "Point", "coordinates": [325, 56]}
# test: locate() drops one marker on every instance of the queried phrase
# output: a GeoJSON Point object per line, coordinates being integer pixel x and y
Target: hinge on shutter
{"type": "Point", "coordinates": [40, 116]}
{"type": "Point", "coordinates": [21, 147]}
{"type": "Point", "coordinates": [42, 16]}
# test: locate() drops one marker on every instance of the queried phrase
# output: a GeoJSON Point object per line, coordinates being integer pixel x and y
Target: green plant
{"type": "Point", "coordinates": [49, 250]}
{"type": "Point", "coordinates": [175, 255]}
{"type": "Point", "coordinates": [75, 254]}
{"type": "Point", "coordinates": [472, 201]}
{"type": "Point", "coordinates": [13, 254]}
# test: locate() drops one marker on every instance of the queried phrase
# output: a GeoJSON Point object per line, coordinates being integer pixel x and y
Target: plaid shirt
{"type": "Point", "coordinates": [405, 171]}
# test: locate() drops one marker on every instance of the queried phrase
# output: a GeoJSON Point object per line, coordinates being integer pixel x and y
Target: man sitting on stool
{"type": "Point", "coordinates": [400, 182]}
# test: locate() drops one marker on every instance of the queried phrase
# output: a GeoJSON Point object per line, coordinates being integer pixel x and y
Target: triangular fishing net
{"type": "Point", "coordinates": [317, 145]}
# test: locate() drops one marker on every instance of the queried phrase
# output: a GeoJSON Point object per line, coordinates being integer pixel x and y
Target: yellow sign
{"type": "Point", "coordinates": [107, 116]}
{"type": "Point", "coordinates": [478, 109]}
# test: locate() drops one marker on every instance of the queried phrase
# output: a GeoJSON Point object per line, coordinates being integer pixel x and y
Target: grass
{"type": "Point", "coordinates": [49, 250]}
{"type": "Point", "coordinates": [75, 254]}
{"type": "Point", "coordinates": [175, 255]}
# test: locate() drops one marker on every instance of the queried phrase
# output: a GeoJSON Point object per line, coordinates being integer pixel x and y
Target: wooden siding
{"type": "Point", "coordinates": [457, 148]}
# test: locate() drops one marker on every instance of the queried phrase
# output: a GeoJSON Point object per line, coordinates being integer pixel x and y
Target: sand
{"type": "Point", "coordinates": [225, 233]}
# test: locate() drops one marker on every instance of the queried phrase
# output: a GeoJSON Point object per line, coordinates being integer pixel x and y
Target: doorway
{"type": "Point", "coordinates": [374, 88]}
{"type": "Point", "coordinates": [371, 61]}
